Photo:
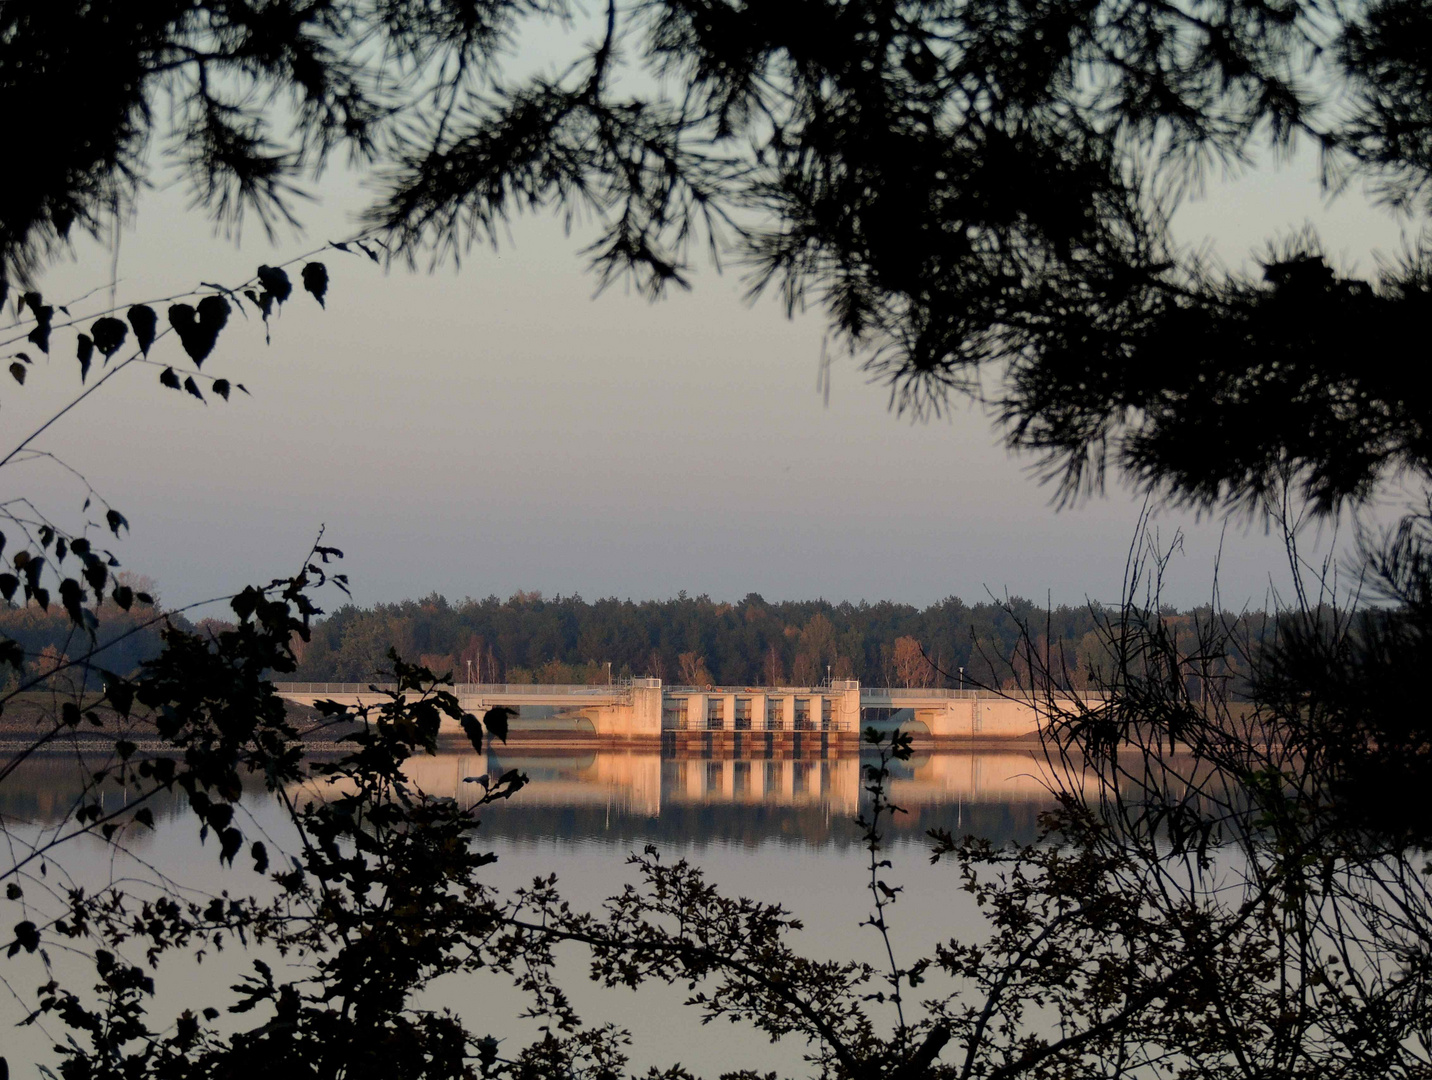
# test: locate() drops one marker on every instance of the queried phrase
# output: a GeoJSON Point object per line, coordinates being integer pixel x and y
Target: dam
{"type": "Point", "coordinates": [646, 711]}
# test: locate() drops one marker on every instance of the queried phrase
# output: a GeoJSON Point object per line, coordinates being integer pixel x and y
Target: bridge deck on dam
{"type": "Point", "coordinates": [644, 709]}
{"type": "Point", "coordinates": [493, 693]}
{"type": "Point", "coordinates": [604, 693]}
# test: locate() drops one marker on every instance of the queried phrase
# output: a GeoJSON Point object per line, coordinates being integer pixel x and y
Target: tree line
{"type": "Point", "coordinates": [698, 641]}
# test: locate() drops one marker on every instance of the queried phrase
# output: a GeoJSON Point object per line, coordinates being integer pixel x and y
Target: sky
{"type": "Point", "coordinates": [502, 427]}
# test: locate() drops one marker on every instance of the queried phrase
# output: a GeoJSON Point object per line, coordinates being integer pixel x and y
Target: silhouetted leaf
{"type": "Point", "coordinates": [27, 937]}
{"type": "Point", "coordinates": [193, 388]}
{"type": "Point", "coordinates": [10, 651]}
{"type": "Point", "coordinates": [115, 519]}
{"type": "Point", "coordinates": [123, 596]}
{"type": "Point", "coordinates": [245, 603]}
{"type": "Point", "coordinates": [261, 300]}
{"type": "Point", "coordinates": [17, 370]}
{"type": "Point", "coordinates": [144, 321]}
{"type": "Point", "coordinates": [8, 584]}
{"type": "Point", "coordinates": [40, 334]}
{"type": "Point", "coordinates": [219, 815]}
{"type": "Point", "coordinates": [96, 573]}
{"type": "Point", "coordinates": [495, 720]}
{"type": "Point", "coordinates": [72, 596]}
{"type": "Point", "coordinates": [275, 284]}
{"type": "Point", "coordinates": [230, 841]}
{"type": "Point", "coordinates": [186, 1028]}
{"type": "Point", "coordinates": [109, 334]}
{"type": "Point", "coordinates": [472, 727]}
{"type": "Point", "coordinates": [144, 816]}
{"type": "Point", "coordinates": [260, 855]}
{"type": "Point", "coordinates": [184, 319]}
{"type": "Point", "coordinates": [511, 782]}
{"type": "Point", "coordinates": [199, 330]}
{"type": "Point", "coordinates": [315, 280]}
{"type": "Point", "coordinates": [169, 379]}
{"type": "Point", "coordinates": [221, 387]}
{"type": "Point", "coordinates": [84, 351]}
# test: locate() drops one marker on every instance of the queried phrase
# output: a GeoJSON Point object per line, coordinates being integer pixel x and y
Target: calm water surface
{"type": "Point", "coordinates": [776, 830]}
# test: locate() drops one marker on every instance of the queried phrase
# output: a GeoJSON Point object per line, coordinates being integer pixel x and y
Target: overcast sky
{"type": "Point", "coordinates": [501, 428]}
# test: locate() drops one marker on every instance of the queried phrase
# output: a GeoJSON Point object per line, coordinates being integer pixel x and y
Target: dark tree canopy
{"type": "Point", "coordinates": [959, 184]}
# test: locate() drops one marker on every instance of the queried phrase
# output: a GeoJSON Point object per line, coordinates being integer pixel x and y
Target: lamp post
{"type": "Point", "coordinates": [962, 678]}
{"type": "Point", "coordinates": [609, 673]}
{"type": "Point", "coordinates": [469, 670]}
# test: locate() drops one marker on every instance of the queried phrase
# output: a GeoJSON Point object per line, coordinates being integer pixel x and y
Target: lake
{"type": "Point", "coordinates": [779, 830]}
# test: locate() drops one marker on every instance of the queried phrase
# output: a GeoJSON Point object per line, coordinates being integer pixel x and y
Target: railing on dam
{"type": "Point", "coordinates": [934, 693]}
{"type": "Point", "coordinates": [543, 689]}
{"type": "Point", "coordinates": [875, 694]}
{"type": "Point", "coordinates": [462, 689]}
{"type": "Point", "coordinates": [778, 691]}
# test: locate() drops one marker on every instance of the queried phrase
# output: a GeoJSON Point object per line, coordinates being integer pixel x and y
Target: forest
{"type": "Point", "coordinates": [698, 641]}
{"type": "Point", "coordinates": [689, 641]}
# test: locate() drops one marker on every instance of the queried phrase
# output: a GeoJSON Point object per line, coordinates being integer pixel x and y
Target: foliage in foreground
{"type": "Point", "coordinates": [964, 188]}
{"type": "Point", "coordinates": [1205, 912]}
{"type": "Point", "coordinates": [959, 184]}
{"type": "Point", "coordinates": [1217, 902]}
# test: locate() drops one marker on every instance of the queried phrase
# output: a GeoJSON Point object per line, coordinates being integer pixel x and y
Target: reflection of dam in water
{"type": "Point", "coordinates": [595, 779]}
{"type": "Point", "coordinates": [648, 784]}
{"type": "Point", "coordinates": [613, 796]}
